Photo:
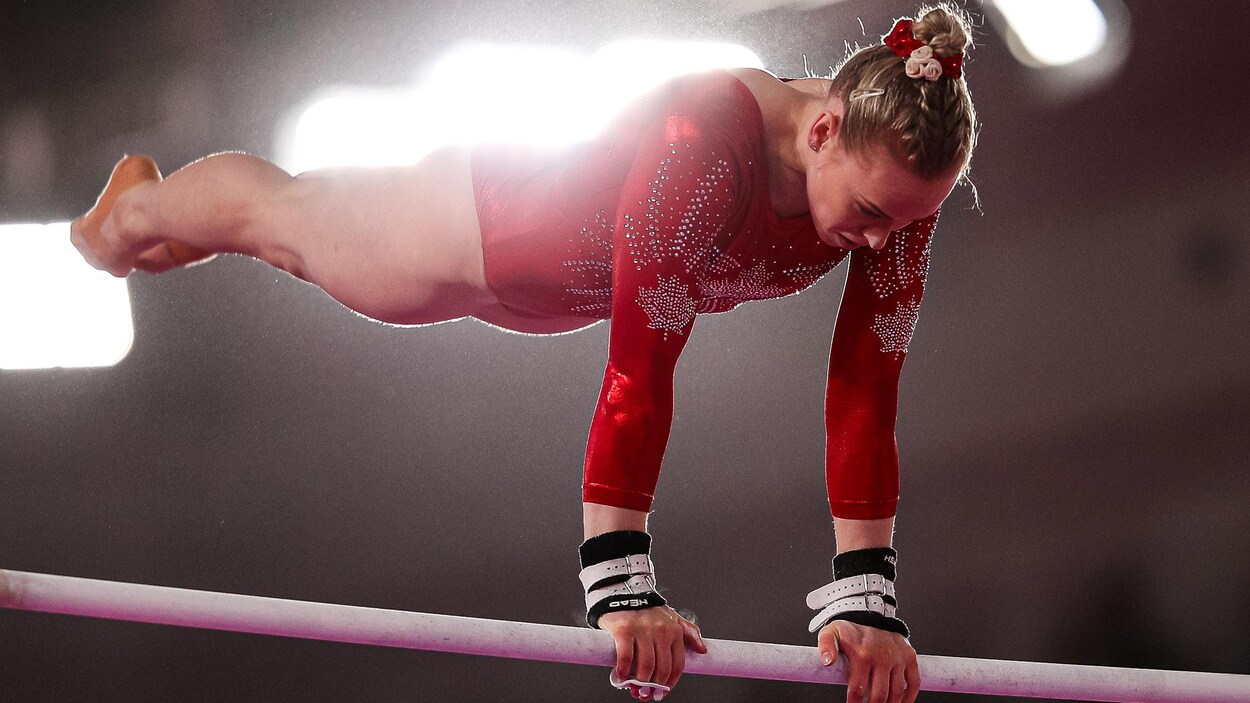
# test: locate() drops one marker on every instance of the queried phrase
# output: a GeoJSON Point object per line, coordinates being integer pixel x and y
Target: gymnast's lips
{"type": "Point", "coordinates": [844, 241]}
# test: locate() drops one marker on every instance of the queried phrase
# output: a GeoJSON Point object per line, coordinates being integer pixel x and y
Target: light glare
{"type": "Point", "coordinates": [57, 311]}
{"type": "Point", "coordinates": [358, 127]}
{"type": "Point", "coordinates": [623, 70]}
{"type": "Point", "coordinates": [531, 94]}
{"type": "Point", "coordinates": [493, 92]}
{"type": "Point", "coordinates": [1057, 32]}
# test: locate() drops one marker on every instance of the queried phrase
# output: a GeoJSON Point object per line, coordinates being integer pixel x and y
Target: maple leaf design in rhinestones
{"type": "Point", "coordinates": [669, 306]}
{"type": "Point", "coordinates": [895, 330]}
{"type": "Point", "coordinates": [749, 284]}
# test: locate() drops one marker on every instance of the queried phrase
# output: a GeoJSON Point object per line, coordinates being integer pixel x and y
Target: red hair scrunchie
{"type": "Point", "coordinates": [904, 43]}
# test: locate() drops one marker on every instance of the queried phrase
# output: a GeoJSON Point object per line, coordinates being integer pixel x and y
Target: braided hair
{"type": "Point", "coordinates": [930, 124]}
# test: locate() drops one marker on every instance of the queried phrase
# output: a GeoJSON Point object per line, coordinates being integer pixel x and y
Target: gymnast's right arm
{"type": "Point", "coordinates": [628, 435]}
{"type": "Point", "coordinates": [654, 294]}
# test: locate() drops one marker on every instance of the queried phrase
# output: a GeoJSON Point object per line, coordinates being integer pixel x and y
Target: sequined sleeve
{"type": "Point", "coordinates": [682, 191]}
{"type": "Point", "coordinates": [878, 314]}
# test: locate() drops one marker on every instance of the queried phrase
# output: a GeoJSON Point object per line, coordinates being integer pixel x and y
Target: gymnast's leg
{"type": "Point", "coordinates": [397, 244]}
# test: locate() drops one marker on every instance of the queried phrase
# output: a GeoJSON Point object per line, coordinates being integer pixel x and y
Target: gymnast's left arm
{"type": "Point", "coordinates": [858, 611]}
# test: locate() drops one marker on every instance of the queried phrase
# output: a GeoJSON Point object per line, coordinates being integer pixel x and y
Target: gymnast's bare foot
{"type": "Point", "coordinates": [100, 240]}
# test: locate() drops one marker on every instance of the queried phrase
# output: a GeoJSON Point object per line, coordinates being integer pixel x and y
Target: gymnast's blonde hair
{"type": "Point", "coordinates": [931, 124]}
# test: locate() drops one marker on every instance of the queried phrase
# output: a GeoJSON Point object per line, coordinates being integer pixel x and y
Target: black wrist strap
{"type": "Point", "coordinates": [613, 545]}
{"type": "Point", "coordinates": [882, 561]}
{"type": "Point", "coordinates": [874, 560]}
{"type": "Point", "coordinates": [618, 544]}
{"type": "Point", "coordinates": [638, 601]}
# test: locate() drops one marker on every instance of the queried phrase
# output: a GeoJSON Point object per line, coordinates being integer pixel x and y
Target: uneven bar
{"type": "Point", "coordinates": [499, 638]}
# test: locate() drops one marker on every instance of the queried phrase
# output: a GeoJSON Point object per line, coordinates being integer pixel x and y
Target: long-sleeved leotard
{"type": "Point", "coordinates": [668, 215]}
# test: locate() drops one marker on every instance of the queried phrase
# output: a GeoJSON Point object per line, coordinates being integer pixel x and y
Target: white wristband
{"type": "Point", "coordinates": [863, 585]}
{"type": "Point", "coordinates": [635, 565]}
{"type": "Point", "coordinates": [875, 604]}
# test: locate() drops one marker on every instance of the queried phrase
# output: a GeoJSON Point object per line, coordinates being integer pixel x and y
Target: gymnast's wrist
{"type": "Point", "coordinates": [617, 574]}
{"type": "Point", "coordinates": [598, 518]}
{"type": "Point", "coordinates": [862, 592]}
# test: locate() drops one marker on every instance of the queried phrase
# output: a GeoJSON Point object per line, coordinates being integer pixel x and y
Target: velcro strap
{"type": "Point", "coordinates": [872, 604]}
{"type": "Point", "coordinates": [862, 585]}
{"type": "Point", "coordinates": [638, 564]}
{"type": "Point", "coordinates": [636, 585]}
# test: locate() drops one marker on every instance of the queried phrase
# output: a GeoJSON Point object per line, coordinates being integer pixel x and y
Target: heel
{"type": "Point", "coordinates": [129, 172]}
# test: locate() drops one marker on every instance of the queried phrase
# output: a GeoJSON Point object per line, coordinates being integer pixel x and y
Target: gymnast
{"type": "Point", "coordinates": [713, 189]}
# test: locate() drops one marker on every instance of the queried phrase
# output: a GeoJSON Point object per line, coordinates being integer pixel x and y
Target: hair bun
{"type": "Point", "coordinates": [945, 28]}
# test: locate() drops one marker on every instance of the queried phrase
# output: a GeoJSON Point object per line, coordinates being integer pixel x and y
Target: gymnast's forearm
{"type": "Point", "coordinates": [861, 454]}
{"type": "Point", "coordinates": [623, 458]}
{"type": "Point", "coordinates": [627, 439]}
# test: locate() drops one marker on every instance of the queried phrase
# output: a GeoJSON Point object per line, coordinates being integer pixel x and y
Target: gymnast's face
{"type": "Point", "coordinates": [857, 198]}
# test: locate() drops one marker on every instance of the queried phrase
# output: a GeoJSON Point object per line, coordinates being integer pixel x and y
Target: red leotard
{"type": "Point", "coordinates": [668, 214]}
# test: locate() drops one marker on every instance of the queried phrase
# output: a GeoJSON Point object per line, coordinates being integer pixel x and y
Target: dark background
{"type": "Point", "coordinates": [1073, 425]}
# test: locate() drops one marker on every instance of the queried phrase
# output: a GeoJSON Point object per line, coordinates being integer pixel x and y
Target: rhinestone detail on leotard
{"type": "Point", "coordinates": [902, 266]}
{"type": "Point", "coordinates": [588, 286]}
{"type": "Point", "coordinates": [670, 304]}
{"type": "Point", "coordinates": [895, 329]}
{"type": "Point", "coordinates": [745, 284]}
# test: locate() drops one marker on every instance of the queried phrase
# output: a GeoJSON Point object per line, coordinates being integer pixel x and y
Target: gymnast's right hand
{"type": "Point", "coordinates": [651, 645]}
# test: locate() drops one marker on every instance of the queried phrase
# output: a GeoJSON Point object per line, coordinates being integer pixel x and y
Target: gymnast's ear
{"type": "Point", "coordinates": [823, 131]}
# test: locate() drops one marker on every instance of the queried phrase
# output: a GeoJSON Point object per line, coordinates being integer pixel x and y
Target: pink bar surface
{"type": "Point", "coordinates": [517, 640]}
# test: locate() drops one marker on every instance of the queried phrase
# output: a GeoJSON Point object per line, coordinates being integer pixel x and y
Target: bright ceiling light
{"type": "Point", "coordinates": [55, 310]}
{"type": "Point", "coordinates": [1056, 32]}
{"type": "Point", "coordinates": [532, 94]}
{"type": "Point", "coordinates": [623, 70]}
{"type": "Point", "coordinates": [508, 92]}
{"type": "Point", "coordinates": [357, 127]}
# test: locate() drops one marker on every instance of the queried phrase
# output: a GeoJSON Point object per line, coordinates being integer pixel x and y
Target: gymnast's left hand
{"type": "Point", "coordinates": [880, 666]}
{"type": "Point", "coordinates": [651, 644]}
